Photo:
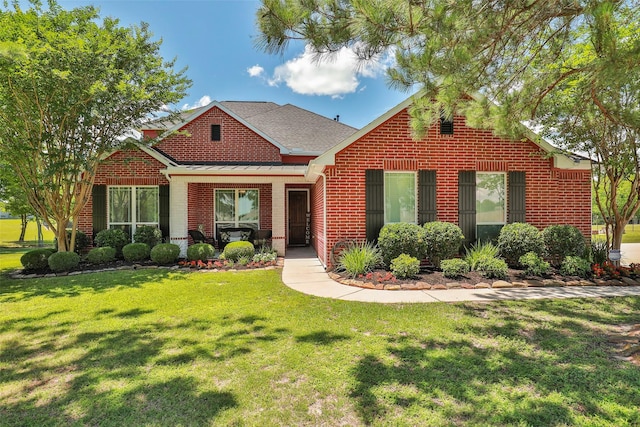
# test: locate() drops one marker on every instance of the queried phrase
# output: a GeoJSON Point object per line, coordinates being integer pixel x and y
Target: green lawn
{"type": "Point", "coordinates": [631, 233]}
{"type": "Point", "coordinates": [153, 347]}
{"type": "Point", "coordinates": [10, 233]}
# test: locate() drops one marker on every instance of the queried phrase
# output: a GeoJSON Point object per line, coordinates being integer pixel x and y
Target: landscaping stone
{"type": "Point", "coordinates": [573, 283]}
{"type": "Point", "coordinates": [534, 283]}
{"type": "Point", "coordinates": [501, 284]}
{"type": "Point", "coordinates": [520, 284]}
{"type": "Point", "coordinates": [423, 285]}
{"type": "Point", "coordinates": [391, 287]}
{"type": "Point", "coordinates": [439, 287]}
{"type": "Point", "coordinates": [453, 285]}
{"type": "Point", "coordinates": [482, 285]}
{"type": "Point", "coordinates": [629, 281]}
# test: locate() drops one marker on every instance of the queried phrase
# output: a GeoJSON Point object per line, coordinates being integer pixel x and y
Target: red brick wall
{"type": "Point", "coordinates": [238, 143]}
{"type": "Point", "coordinates": [130, 167]}
{"type": "Point", "coordinates": [202, 210]}
{"type": "Point", "coordinates": [553, 196]}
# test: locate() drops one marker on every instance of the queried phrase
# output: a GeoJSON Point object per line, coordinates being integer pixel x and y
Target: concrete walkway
{"type": "Point", "coordinates": [303, 272]}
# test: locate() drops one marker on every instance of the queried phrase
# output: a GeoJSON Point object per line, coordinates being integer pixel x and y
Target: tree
{"type": "Point", "coordinates": [71, 86]}
{"type": "Point", "coordinates": [498, 63]}
{"type": "Point", "coordinates": [16, 202]}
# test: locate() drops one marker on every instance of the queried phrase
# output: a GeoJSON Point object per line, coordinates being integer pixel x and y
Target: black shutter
{"type": "Point", "coordinates": [427, 211]}
{"type": "Point", "coordinates": [163, 194]}
{"type": "Point", "coordinates": [99, 196]}
{"type": "Point", "coordinates": [374, 202]}
{"type": "Point", "coordinates": [517, 197]}
{"type": "Point", "coordinates": [467, 205]}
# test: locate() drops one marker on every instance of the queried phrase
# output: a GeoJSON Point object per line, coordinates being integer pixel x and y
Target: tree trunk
{"type": "Point", "coordinates": [23, 227]}
{"type": "Point", "coordinates": [61, 235]}
{"type": "Point", "coordinates": [617, 230]}
{"type": "Point", "coordinates": [39, 226]}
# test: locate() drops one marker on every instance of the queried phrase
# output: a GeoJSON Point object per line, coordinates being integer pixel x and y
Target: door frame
{"type": "Point", "coordinates": [308, 208]}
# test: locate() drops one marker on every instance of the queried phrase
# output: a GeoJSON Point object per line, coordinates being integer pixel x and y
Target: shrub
{"type": "Point", "coordinates": [36, 259]}
{"type": "Point", "coordinates": [101, 255]}
{"type": "Point", "coordinates": [243, 260]}
{"type": "Point", "coordinates": [359, 258]}
{"type": "Point", "coordinates": [114, 238]}
{"type": "Point", "coordinates": [534, 265]}
{"type": "Point", "coordinates": [405, 266]}
{"type": "Point", "coordinates": [265, 254]}
{"type": "Point", "coordinates": [493, 268]}
{"type": "Point", "coordinates": [401, 238]}
{"type": "Point", "coordinates": [63, 261]}
{"type": "Point", "coordinates": [165, 253]}
{"type": "Point", "coordinates": [599, 252]}
{"type": "Point", "coordinates": [575, 266]}
{"type": "Point", "coordinates": [82, 242]}
{"type": "Point", "coordinates": [236, 250]}
{"type": "Point", "coordinates": [454, 267]}
{"type": "Point", "coordinates": [136, 252]}
{"type": "Point", "coordinates": [480, 252]}
{"type": "Point", "coordinates": [517, 239]}
{"type": "Point", "coordinates": [148, 234]}
{"type": "Point", "coordinates": [563, 240]}
{"type": "Point", "coordinates": [443, 240]}
{"type": "Point", "coordinates": [200, 252]}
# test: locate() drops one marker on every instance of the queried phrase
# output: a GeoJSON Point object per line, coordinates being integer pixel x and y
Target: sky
{"type": "Point", "coordinates": [215, 40]}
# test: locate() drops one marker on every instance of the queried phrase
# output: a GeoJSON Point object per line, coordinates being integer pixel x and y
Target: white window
{"type": "Point", "coordinates": [237, 208]}
{"type": "Point", "coordinates": [491, 206]}
{"type": "Point", "coordinates": [131, 207]}
{"type": "Point", "coordinates": [399, 197]}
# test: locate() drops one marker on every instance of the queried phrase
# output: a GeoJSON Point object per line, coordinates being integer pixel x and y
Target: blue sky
{"type": "Point", "coordinates": [215, 40]}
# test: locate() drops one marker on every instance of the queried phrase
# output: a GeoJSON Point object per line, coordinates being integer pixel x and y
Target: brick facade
{"type": "Point", "coordinates": [553, 196]}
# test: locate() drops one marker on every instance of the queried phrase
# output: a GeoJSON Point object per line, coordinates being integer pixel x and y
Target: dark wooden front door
{"type": "Point", "coordinates": [297, 218]}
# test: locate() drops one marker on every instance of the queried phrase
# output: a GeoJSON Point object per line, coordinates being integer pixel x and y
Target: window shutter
{"type": "Point", "coordinates": [427, 211]}
{"type": "Point", "coordinates": [99, 196]}
{"type": "Point", "coordinates": [163, 193]}
{"type": "Point", "coordinates": [467, 205]}
{"type": "Point", "coordinates": [517, 200]}
{"type": "Point", "coordinates": [374, 202]}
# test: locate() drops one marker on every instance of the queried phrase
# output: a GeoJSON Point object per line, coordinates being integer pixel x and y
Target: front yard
{"type": "Point", "coordinates": [154, 347]}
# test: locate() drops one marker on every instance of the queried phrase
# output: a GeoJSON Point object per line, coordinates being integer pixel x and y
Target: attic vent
{"type": "Point", "coordinates": [215, 132]}
{"type": "Point", "coordinates": [446, 126]}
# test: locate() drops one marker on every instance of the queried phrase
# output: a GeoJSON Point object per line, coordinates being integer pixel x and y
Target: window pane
{"type": "Point", "coordinates": [225, 205]}
{"type": "Point", "coordinates": [399, 197]}
{"type": "Point", "coordinates": [147, 204]}
{"type": "Point", "coordinates": [248, 205]}
{"type": "Point", "coordinates": [119, 204]}
{"type": "Point", "coordinates": [490, 198]}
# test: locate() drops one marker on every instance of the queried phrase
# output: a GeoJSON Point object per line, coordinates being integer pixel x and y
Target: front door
{"type": "Point", "coordinates": [298, 218]}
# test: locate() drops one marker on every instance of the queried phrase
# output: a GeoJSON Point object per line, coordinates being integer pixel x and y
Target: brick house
{"type": "Point", "coordinates": [315, 181]}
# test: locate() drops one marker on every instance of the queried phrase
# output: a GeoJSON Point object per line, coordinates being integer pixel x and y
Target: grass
{"type": "Point", "coordinates": [154, 347]}
{"type": "Point", "coordinates": [10, 233]}
{"type": "Point", "coordinates": [631, 233]}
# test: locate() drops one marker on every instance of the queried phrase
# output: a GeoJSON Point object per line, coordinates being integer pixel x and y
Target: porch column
{"type": "Point", "coordinates": [278, 217]}
{"type": "Point", "coordinates": [179, 210]}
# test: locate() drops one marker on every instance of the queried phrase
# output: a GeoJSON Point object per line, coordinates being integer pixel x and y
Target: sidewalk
{"type": "Point", "coordinates": [303, 272]}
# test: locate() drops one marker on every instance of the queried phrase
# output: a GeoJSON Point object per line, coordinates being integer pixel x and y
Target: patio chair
{"type": "Point", "coordinates": [199, 237]}
{"type": "Point", "coordinates": [262, 237]}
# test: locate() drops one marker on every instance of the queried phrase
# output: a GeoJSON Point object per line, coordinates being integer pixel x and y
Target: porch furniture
{"type": "Point", "coordinates": [262, 237]}
{"type": "Point", "coordinates": [234, 234]}
{"type": "Point", "coordinates": [199, 237]}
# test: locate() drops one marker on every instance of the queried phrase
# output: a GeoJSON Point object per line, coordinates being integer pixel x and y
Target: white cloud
{"type": "Point", "coordinates": [205, 100]}
{"type": "Point", "coordinates": [333, 76]}
{"type": "Point", "coordinates": [255, 71]}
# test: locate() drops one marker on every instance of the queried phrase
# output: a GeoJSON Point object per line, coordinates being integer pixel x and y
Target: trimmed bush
{"type": "Point", "coordinates": [402, 238]}
{"type": "Point", "coordinates": [455, 267]}
{"type": "Point", "coordinates": [443, 241]}
{"type": "Point", "coordinates": [236, 250]}
{"type": "Point", "coordinates": [575, 266]}
{"type": "Point", "coordinates": [63, 261]}
{"type": "Point", "coordinates": [534, 265]}
{"type": "Point", "coordinates": [517, 239]}
{"type": "Point", "coordinates": [479, 252]}
{"type": "Point", "coordinates": [200, 252]}
{"type": "Point", "coordinates": [101, 255]}
{"type": "Point", "coordinates": [134, 252]}
{"type": "Point", "coordinates": [405, 266]}
{"type": "Point", "coordinates": [36, 259]}
{"type": "Point", "coordinates": [165, 253]}
{"type": "Point", "coordinates": [148, 234]}
{"type": "Point", "coordinates": [563, 240]}
{"type": "Point", "coordinates": [114, 238]}
{"type": "Point", "coordinates": [359, 258]}
{"type": "Point", "coordinates": [82, 242]}
{"type": "Point", "coordinates": [493, 268]}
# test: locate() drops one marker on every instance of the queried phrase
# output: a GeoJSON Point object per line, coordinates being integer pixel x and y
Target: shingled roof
{"type": "Point", "coordinates": [298, 130]}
